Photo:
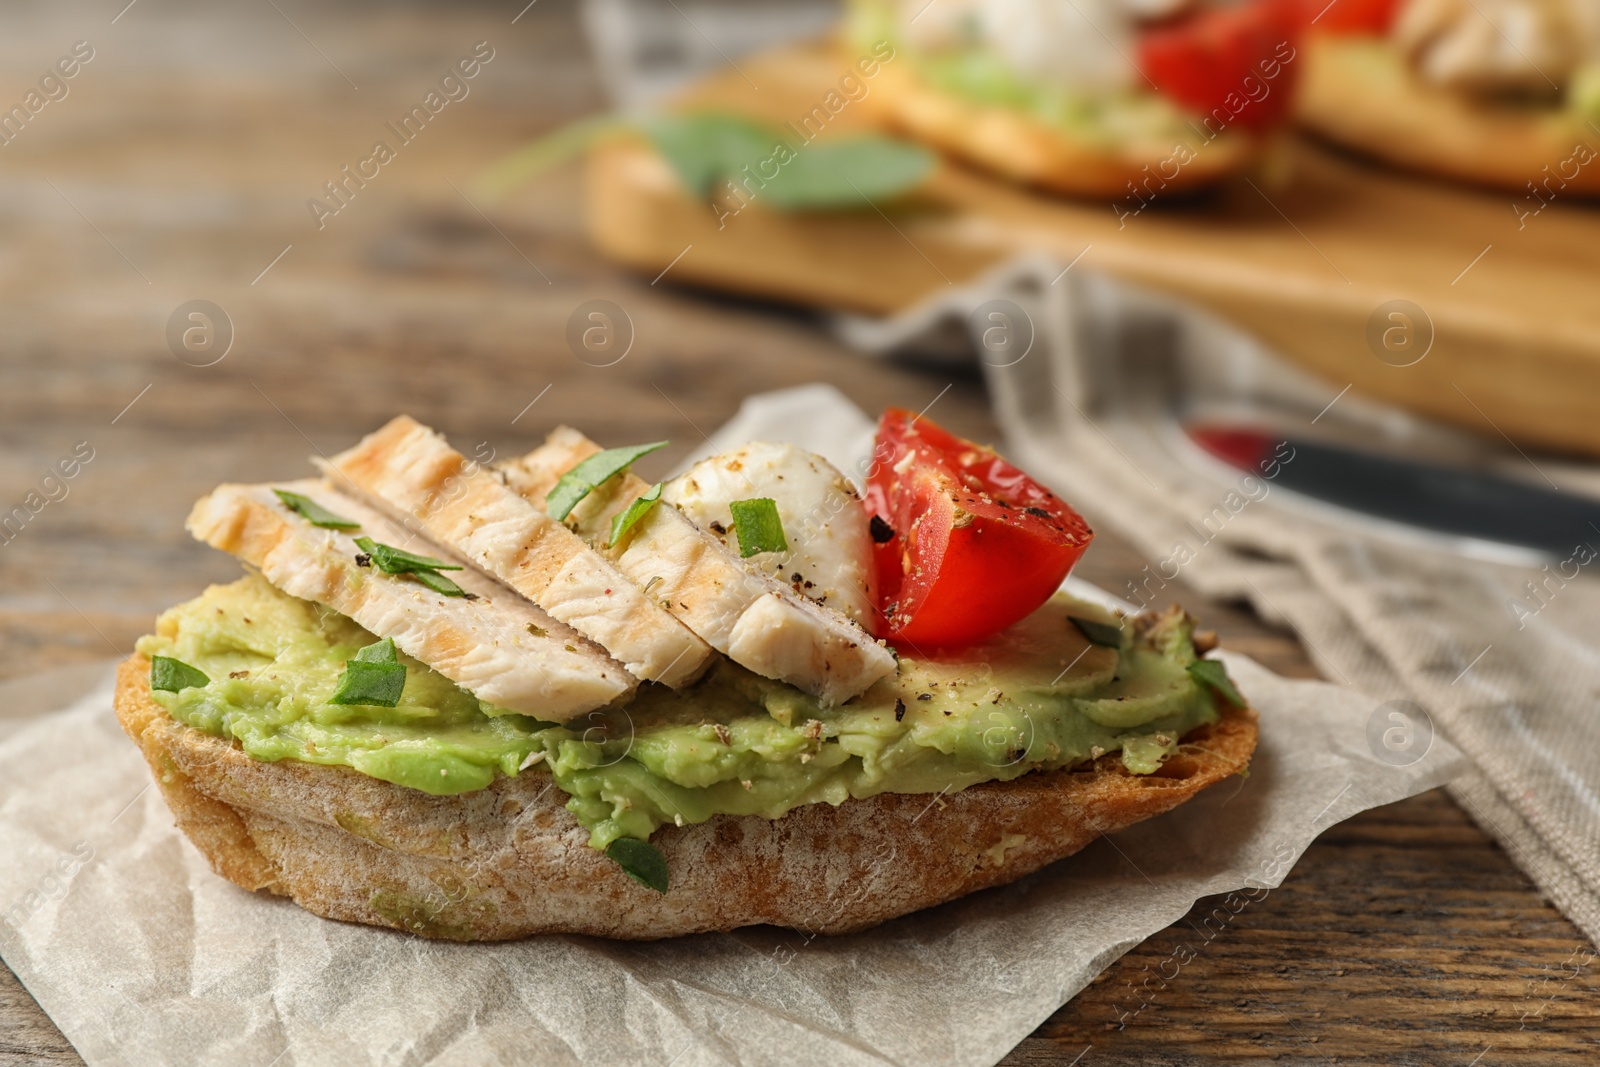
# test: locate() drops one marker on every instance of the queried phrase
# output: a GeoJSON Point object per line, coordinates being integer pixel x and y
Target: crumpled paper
{"type": "Point", "coordinates": [142, 956]}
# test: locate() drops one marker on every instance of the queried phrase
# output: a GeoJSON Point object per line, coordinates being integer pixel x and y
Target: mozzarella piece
{"type": "Point", "coordinates": [830, 547]}
{"type": "Point", "coordinates": [1085, 44]}
{"type": "Point", "coordinates": [498, 646]}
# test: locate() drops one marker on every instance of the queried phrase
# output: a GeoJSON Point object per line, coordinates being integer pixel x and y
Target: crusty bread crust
{"type": "Point", "coordinates": [1359, 94]}
{"type": "Point", "coordinates": [510, 861]}
{"type": "Point", "coordinates": [1022, 148]}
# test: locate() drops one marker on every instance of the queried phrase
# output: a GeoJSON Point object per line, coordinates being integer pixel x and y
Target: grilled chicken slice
{"type": "Point", "coordinates": [755, 621]}
{"type": "Point", "coordinates": [411, 473]}
{"type": "Point", "coordinates": [497, 645]}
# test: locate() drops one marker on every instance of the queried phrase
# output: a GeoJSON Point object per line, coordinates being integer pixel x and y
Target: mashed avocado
{"type": "Point", "coordinates": [1037, 696]}
{"type": "Point", "coordinates": [1132, 120]}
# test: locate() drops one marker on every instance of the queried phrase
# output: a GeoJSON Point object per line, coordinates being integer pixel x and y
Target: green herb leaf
{"type": "Point", "coordinates": [623, 521]}
{"type": "Point", "coordinates": [847, 174]}
{"type": "Point", "coordinates": [582, 480]}
{"type": "Point", "coordinates": [391, 560]}
{"type": "Point", "coordinates": [440, 584]}
{"type": "Point", "coordinates": [315, 513]}
{"type": "Point", "coordinates": [382, 652]}
{"type": "Point", "coordinates": [758, 526]}
{"type": "Point", "coordinates": [173, 676]}
{"type": "Point", "coordinates": [375, 677]}
{"type": "Point", "coordinates": [706, 147]}
{"type": "Point", "coordinates": [1097, 632]}
{"type": "Point", "coordinates": [641, 861]}
{"type": "Point", "coordinates": [1212, 673]}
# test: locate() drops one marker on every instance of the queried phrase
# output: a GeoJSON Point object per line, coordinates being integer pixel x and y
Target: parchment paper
{"type": "Point", "coordinates": [142, 956]}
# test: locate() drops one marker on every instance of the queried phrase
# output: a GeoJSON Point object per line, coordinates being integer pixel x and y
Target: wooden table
{"type": "Point", "coordinates": [179, 167]}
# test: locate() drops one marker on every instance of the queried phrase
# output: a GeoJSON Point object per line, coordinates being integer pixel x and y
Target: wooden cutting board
{"type": "Point", "coordinates": [1303, 262]}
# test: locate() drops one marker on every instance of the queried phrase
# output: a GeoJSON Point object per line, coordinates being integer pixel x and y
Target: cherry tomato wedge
{"type": "Point", "coordinates": [967, 544]}
{"type": "Point", "coordinates": [1353, 17]}
{"type": "Point", "coordinates": [1231, 65]}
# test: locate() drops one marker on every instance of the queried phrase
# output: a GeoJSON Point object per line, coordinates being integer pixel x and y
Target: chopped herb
{"type": "Point", "coordinates": [442, 585]}
{"type": "Point", "coordinates": [641, 861]}
{"type": "Point", "coordinates": [1211, 672]}
{"type": "Point", "coordinates": [899, 709]}
{"type": "Point", "coordinates": [538, 631]}
{"type": "Point", "coordinates": [313, 512]}
{"type": "Point", "coordinates": [881, 531]}
{"type": "Point", "coordinates": [375, 677]}
{"type": "Point", "coordinates": [1097, 632]}
{"type": "Point", "coordinates": [382, 652]}
{"type": "Point", "coordinates": [173, 676]}
{"type": "Point", "coordinates": [624, 521]}
{"type": "Point", "coordinates": [583, 479]}
{"type": "Point", "coordinates": [391, 560]}
{"type": "Point", "coordinates": [758, 526]}
{"type": "Point", "coordinates": [425, 569]}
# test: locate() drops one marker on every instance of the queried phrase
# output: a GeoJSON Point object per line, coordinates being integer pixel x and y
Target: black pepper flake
{"type": "Point", "coordinates": [1041, 512]}
{"type": "Point", "coordinates": [797, 577]}
{"type": "Point", "coordinates": [363, 560]}
{"type": "Point", "coordinates": [899, 709]}
{"type": "Point", "coordinates": [717, 528]}
{"type": "Point", "coordinates": [924, 696]}
{"type": "Point", "coordinates": [881, 530]}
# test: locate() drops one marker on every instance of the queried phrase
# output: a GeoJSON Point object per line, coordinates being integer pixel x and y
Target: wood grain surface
{"type": "Point", "coordinates": [177, 169]}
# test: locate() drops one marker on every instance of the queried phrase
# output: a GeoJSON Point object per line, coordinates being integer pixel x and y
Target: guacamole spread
{"type": "Point", "coordinates": [1039, 695]}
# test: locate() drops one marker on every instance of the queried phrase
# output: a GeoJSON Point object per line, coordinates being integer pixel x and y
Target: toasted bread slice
{"type": "Point", "coordinates": [409, 471]}
{"type": "Point", "coordinates": [1360, 94]}
{"type": "Point", "coordinates": [509, 861]}
{"type": "Point", "coordinates": [1018, 146]}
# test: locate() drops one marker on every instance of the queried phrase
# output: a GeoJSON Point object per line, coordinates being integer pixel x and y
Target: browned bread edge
{"type": "Point", "coordinates": [510, 861]}
{"type": "Point", "coordinates": [1017, 146]}
{"type": "Point", "coordinates": [1402, 121]}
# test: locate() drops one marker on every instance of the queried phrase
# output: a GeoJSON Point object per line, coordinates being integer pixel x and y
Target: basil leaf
{"type": "Point", "coordinates": [758, 526]}
{"type": "Point", "coordinates": [391, 560]}
{"type": "Point", "coordinates": [705, 147]}
{"type": "Point", "coordinates": [581, 480]}
{"type": "Point", "coordinates": [623, 521]}
{"type": "Point", "coordinates": [1212, 673]}
{"type": "Point", "coordinates": [641, 861]}
{"type": "Point", "coordinates": [313, 512]}
{"type": "Point", "coordinates": [376, 684]}
{"type": "Point", "coordinates": [1097, 632]}
{"type": "Point", "coordinates": [382, 652]}
{"type": "Point", "coordinates": [846, 174]}
{"type": "Point", "coordinates": [440, 584]}
{"type": "Point", "coordinates": [173, 676]}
